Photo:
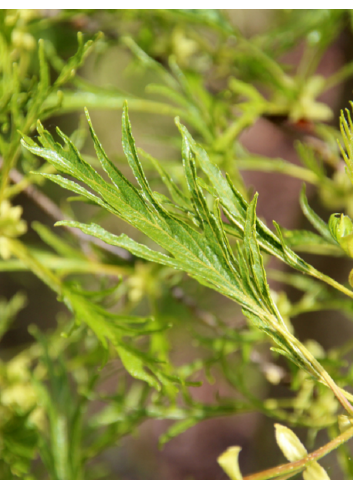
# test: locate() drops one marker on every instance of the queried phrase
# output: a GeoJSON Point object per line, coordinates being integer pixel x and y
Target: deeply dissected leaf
{"type": "Point", "coordinates": [199, 247]}
{"type": "Point", "coordinates": [107, 326]}
{"type": "Point", "coordinates": [235, 206]}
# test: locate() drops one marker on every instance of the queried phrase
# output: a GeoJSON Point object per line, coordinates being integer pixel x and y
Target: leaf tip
{"type": "Point", "coordinates": [125, 117]}
{"type": "Point", "coordinates": [40, 127]}
{"type": "Point", "coordinates": [87, 114]}
{"type": "Point", "coordinates": [60, 223]}
{"type": "Point", "coordinates": [303, 192]}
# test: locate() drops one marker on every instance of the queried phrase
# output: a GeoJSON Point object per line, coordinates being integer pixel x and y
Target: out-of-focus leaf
{"type": "Point", "coordinates": [9, 310]}
{"type": "Point", "coordinates": [314, 219]}
{"type": "Point", "coordinates": [309, 242]}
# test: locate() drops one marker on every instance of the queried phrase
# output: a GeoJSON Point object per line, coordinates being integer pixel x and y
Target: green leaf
{"type": "Point", "coordinates": [176, 429]}
{"type": "Point", "coordinates": [123, 241]}
{"type": "Point", "coordinates": [314, 219]}
{"type": "Point", "coordinates": [208, 17]}
{"type": "Point", "coordinates": [177, 195]}
{"type": "Point", "coordinates": [135, 366]}
{"type": "Point", "coordinates": [346, 126]}
{"type": "Point", "coordinates": [58, 244]}
{"type": "Point", "coordinates": [198, 247]}
{"type": "Point", "coordinates": [235, 208]}
{"type": "Point", "coordinates": [254, 258]}
{"type": "Point", "coordinates": [307, 156]}
{"type": "Point", "coordinates": [9, 310]}
{"type": "Point", "coordinates": [70, 67]}
{"type": "Point", "coordinates": [43, 70]}
{"type": "Point", "coordinates": [106, 326]}
{"type": "Point", "coordinates": [308, 242]}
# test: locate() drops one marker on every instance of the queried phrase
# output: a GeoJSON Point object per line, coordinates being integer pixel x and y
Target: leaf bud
{"type": "Point", "coordinates": [314, 472]}
{"type": "Point", "coordinates": [344, 422]}
{"type": "Point", "coordinates": [290, 445]}
{"type": "Point", "coordinates": [341, 229]}
{"type": "Point", "coordinates": [230, 464]}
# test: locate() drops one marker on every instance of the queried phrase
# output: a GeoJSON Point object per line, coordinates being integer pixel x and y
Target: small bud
{"type": "Point", "coordinates": [11, 225]}
{"type": "Point", "coordinates": [273, 373]}
{"type": "Point", "coordinates": [315, 349]}
{"type": "Point", "coordinates": [292, 448]}
{"type": "Point", "coordinates": [23, 40]}
{"type": "Point", "coordinates": [314, 37]}
{"type": "Point", "coordinates": [344, 422]}
{"type": "Point", "coordinates": [341, 229]}
{"type": "Point", "coordinates": [314, 472]}
{"type": "Point", "coordinates": [230, 464]}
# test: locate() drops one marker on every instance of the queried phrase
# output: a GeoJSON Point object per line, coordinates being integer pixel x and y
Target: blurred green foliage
{"type": "Point", "coordinates": [127, 295]}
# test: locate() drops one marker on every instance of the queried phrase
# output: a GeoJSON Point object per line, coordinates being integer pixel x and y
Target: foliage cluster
{"type": "Point", "coordinates": [201, 222]}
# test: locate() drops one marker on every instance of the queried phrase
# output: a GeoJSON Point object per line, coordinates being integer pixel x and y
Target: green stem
{"type": "Point", "coordinates": [330, 281]}
{"type": "Point", "coordinates": [22, 253]}
{"type": "Point", "coordinates": [278, 166]}
{"type": "Point", "coordinates": [312, 366]}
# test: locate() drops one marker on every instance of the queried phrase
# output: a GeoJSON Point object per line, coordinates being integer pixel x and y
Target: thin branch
{"type": "Point", "coordinates": [294, 467]}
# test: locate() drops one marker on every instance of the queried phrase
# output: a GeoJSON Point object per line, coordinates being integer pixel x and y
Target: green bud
{"type": "Point", "coordinates": [341, 229]}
